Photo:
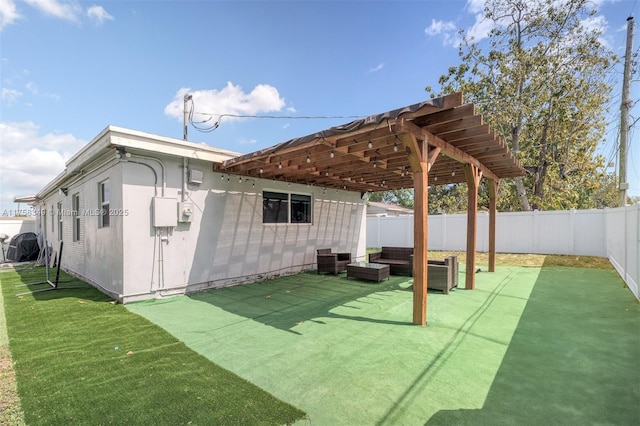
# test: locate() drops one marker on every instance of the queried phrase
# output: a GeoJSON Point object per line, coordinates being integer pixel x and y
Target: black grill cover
{"type": "Point", "coordinates": [23, 247]}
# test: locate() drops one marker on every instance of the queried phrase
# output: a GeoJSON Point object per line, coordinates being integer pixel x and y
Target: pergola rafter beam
{"type": "Point", "coordinates": [414, 150]}
{"type": "Point", "coordinates": [403, 126]}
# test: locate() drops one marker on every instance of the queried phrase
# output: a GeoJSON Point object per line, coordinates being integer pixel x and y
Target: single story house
{"type": "Point", "coordinates": [145, 216]}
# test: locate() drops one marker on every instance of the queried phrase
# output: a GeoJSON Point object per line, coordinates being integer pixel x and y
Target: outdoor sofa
{"type": "Point", "coordinates": [442, 274]}
{"type": "Point", "coordinates": [332, 262]}
{"type": "Point", "coordinates": [399, 259]}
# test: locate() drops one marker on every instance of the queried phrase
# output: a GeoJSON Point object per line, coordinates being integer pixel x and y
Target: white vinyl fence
{"type": "Point", "coordinates": [611, 233]}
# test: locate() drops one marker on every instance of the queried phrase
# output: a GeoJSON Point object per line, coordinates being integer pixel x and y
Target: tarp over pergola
{"type": "Point", "coordinates": [436, 142]}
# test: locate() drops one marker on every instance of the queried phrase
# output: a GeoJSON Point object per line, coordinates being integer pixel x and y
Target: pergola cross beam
{"type": "Point", "coordinates": [404, 127]}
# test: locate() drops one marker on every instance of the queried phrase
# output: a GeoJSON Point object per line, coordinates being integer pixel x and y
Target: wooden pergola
{"type": "Point", "coordinates": [436, 142]}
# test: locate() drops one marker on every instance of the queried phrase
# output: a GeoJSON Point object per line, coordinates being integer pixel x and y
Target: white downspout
{"type": "Point", "coordinates": [185, 166]}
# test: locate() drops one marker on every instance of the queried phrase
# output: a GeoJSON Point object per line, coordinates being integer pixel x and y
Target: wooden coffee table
{"type": "Point", "coordinates": [368, 271]}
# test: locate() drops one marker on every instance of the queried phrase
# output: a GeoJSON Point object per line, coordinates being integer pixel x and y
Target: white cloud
{"type": "Point", "coordinates": [8, 13]}
{"type": "Point", "coordinates": [31, 86]}
{"type": "Point", "coordinates": [230, 100]}
{"type": "Point", "coordinates": [475, 6]}
{"type": "Point", "coordinates": [597, 23]}
{"type": "Point", "coordinates": [52, 96]}
{"type": "Point", "coordinates": [69, 10]}
{"type": "Point", "coordinates": [377, 67]}
{"type": "Point", "coordinates": [447, 30]}
{"type": "Point", "coordinates": [481, 28]}
{"type": "Point", "coordinates": [30, 160]}
{"type": "Point", "coordinates": [10, 96]}
{"type": "Point", "coordinates": [98, 15]}
{"type": "Point", "coordinates": [439, 27]}
{"type": "Point", "coordinates": [247, 141]}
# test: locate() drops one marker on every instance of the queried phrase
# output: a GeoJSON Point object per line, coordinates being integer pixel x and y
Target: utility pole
{"type": "Point", "coordinates": [185, 119]}
{"type": "Point", "coordinates": [623, 185]}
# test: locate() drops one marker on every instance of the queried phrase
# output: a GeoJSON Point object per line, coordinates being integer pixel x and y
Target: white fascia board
{"type": "Point", "coordinates": [25, 199]}
{"type": "Point", "coordinates": [113, 136]}
{"type": "Point", "coordinates": [169, 146]}
{"type": "Point", "coordinates": [51, 186]}
{"type": "Point", "coordinates": [89, 152]}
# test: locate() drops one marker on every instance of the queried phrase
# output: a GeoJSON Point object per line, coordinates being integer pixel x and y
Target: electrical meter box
{"type": "Point", "coordinates": [164, 212]}
{"type": "Point", "coordinates": [185, 212]}
{"type": "Point", "coordinates": [195, 176]}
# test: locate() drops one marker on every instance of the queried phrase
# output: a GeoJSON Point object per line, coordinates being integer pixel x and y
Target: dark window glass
{"type": "Point", "coordinates": [275, 207]}
{"type": "Point", "coordinates": [76, 217]}
{"type": "Point", "coordinates": [60, 217]}
{"type": "Point", "coordinates": [300, 208]}
{"type": "Point", "coordinates": [105, 194]}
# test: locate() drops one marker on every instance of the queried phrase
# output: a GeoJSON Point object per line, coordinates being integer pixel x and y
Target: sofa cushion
{"type": "Point", "coordinates": [391, 261]}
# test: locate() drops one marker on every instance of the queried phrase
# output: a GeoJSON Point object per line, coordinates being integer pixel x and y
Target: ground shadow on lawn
{"type": "Point", "coordinates": [81, 358]}
{"type": "Point", "coordinates": [346, 351]}
{"type": "Point", "coordinates": [289, 301]}
{"type": "Point", "coordinates": [56, 285]}
{"type": "Point", "coordinates": [573, 358]}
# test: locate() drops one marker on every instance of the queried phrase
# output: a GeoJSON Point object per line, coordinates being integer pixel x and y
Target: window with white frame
{"type": "Point", "coordinates": [75, 201]}
{"type": "Point", "coordinates": [281, 207]}
{"type": "Point", "coordinates": [300, 208]}
{"type": "Point", "coordinates": [104, 193]}
{"type": "Point", "coordinates": [60, 217]}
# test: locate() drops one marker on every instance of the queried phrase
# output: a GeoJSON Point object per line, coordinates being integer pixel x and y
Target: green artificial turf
{"type": "Point", "coordinates": [10, 410]}
{"type": "Point", "coordinates": [81, 359]}
{"type": "Point", "coordinates": [531, 345]}
{"type": "Point", "coordinates": [573, 360]}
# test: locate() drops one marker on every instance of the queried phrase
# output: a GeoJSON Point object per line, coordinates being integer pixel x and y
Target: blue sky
{"type": "Point", "coordinates": [70, 68]}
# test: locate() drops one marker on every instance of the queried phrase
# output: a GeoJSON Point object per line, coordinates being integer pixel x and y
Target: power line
{"type": "Point", "coordinates": [295, 117]}
{"type": "Point", "coordinates": [210, 128]}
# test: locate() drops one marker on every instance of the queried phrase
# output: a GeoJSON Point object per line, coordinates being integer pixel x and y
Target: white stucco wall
{"type": "Point", "coordinates": [103, 251]}
{"type": "Point", "coordinates": [97, 255]}
{"type": "Point", "coordinates": [226, 243]}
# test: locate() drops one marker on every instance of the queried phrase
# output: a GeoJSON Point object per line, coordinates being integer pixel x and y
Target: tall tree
{"type": "Point", "coordinates": [401, 197]}
{"type": "Point", "coordinates": [541, 82]}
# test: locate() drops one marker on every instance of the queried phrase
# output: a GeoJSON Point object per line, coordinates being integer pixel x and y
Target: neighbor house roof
{"type": "Point", "coordinates": [377, 153]}
{"type": "Point", "coordinates": [375, 208]}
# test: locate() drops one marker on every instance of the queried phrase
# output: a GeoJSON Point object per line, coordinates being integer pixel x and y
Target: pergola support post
{"type": "Point", "coordinates": [420, 248]}
{"type": "Point", "coordinates": [473, 176]}
{"type": "Point", "coordinates": [493, 191]}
